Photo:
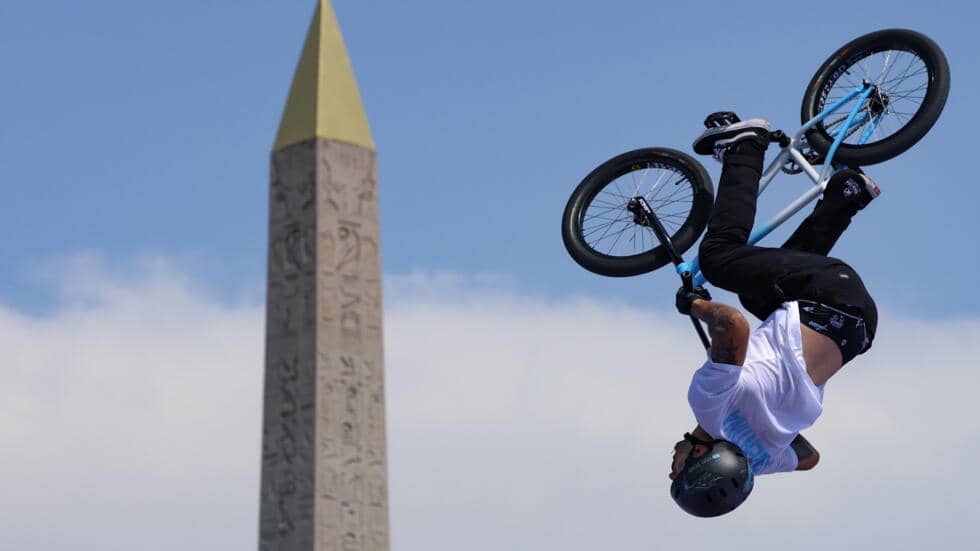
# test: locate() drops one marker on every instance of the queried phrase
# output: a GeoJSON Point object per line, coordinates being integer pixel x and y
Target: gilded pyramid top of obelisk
{"type": "Point", "coordinates": [324, 101]}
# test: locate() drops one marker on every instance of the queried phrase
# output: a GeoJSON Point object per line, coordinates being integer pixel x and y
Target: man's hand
{"type": "Point", "coordinates": [685, 298]}
{"type": "Point", "coordinates": [685, 448]}
{"type": "Point", "coordinates": [806, 455]}
{"type": "Point", "coordinates": [681, 450]}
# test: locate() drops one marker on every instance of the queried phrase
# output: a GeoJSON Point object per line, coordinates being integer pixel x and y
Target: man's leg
{"type": "Point", "coordinates": [766, 277]}
{"type": "Point", "coordinates": [726, 260]}
{"type": "Point", "coordinates": [848, 192]}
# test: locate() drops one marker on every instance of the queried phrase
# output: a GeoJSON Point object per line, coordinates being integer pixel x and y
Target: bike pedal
{"type": "Point", "coordinates": [779, 137]}
{"type": "Point", "coordinates": [720, 118]}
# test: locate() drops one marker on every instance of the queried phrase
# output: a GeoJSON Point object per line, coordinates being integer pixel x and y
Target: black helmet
{"type": "Point", "coordinates": [715, 483]}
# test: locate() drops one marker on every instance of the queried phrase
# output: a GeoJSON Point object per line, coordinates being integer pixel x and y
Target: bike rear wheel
{"type": "Point", "coordinates": [910, 76]}
{"type": "Point", "coordinates": [604, 237]}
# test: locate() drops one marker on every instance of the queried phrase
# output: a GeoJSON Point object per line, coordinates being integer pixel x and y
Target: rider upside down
{"type": "Point", "coordinates": [759, 389]}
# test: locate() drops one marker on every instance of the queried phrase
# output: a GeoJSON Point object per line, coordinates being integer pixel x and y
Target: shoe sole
{"type": "Point", "coordinates": [705, 143]}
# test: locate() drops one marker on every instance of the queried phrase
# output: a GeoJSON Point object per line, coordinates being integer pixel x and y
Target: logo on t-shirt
{"type": "Point", "coordinates": [738, 431]}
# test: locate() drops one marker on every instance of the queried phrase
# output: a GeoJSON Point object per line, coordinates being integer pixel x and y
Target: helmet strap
{"type": "Point", "coordinates": [697, 441]}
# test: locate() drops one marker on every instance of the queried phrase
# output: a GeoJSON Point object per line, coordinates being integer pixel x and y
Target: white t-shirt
{"type": "Point", "coordinates": [762, 405]}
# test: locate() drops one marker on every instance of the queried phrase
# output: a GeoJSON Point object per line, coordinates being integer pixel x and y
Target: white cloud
{"type": "Point", "coordinates": [130, 419]}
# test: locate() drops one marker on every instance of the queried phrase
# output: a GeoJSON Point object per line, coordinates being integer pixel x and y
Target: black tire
{"type": "Point", "coordinates": [680, 194]}
{"type": "Point", "coordinates": [921, 66]}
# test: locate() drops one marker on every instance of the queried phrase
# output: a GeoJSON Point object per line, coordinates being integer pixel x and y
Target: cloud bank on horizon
{"type": "Point", "coordinates": [130, 418]}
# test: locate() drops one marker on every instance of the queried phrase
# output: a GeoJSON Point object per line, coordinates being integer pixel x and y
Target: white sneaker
{"type": "Point", "coordinates": [717, 141]}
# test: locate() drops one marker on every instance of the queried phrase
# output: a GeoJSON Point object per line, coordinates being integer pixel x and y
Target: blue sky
{"type": "Point", "coordinates": [134, 147]}
{"type": "Point", "coordinates": [134, 129]}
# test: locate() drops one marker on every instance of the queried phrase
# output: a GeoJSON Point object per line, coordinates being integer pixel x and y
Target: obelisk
{"type": "Point", "coordinates": [324, 467]}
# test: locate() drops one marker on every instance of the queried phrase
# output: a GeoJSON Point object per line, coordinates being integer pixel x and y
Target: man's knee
{"type": "Point", "coordinates": [854, 294]}
{"type": "Point", "coordinates": [712, 256]}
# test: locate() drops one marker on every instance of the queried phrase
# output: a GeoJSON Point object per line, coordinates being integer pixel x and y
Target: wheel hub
{"type": "Point", "coordinates": [634, 207]}
{"type": "Point", "coordinates": [877, 101]}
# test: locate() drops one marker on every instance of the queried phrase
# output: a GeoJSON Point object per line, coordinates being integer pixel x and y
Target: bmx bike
{"type": "Point", "coordinates": [870, 101]}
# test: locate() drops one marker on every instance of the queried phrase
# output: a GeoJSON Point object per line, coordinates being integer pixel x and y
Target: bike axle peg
{"type": "Point", "coordinates": [779, 137]}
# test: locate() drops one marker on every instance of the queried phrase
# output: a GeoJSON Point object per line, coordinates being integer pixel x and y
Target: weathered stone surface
{"type": "Point", "coordinates": [324, 470]}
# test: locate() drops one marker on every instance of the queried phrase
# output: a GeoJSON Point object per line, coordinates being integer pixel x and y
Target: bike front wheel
{"type": "Point", "coordinates": [910, 79]}
{"type": "Point", "coordinates": [604, 237]}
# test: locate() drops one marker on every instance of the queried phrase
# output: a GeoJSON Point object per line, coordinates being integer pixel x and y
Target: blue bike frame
{"type": "Point", "coordinates": [792, 153]}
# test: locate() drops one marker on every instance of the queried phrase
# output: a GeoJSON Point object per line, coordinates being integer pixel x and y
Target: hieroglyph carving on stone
{"type": "Point", "coordinates": [353, 488]}
{"type": "Point", "coordinates": [324, 470]}
{"type": "Point", "coordinates": [288, 453]}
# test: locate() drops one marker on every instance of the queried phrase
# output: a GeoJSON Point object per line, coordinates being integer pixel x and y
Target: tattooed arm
{"type": "Point", "coordinates": [728, 329]}
{"type": "Point", "coordinates": [806, 454]}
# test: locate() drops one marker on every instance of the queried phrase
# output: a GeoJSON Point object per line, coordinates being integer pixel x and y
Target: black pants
{"type": "Point", "coordinates": [765, 277]}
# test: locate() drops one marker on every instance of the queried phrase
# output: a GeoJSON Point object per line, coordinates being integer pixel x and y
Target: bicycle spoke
{"type": "Point", "coordinates": [676, 187]}
{"type": "Point", "coordinates": [605, 212]}
{"type": "Point", "coordinates": [891, 83]}
{"type": "Point", "coordinates": [616, 181]}
{"type": "Point", "coordinates": [617, 195]}
{"type": "Point", "coordinates": [621, 219]}
{"type": "Point", "coordinates": [661, 206]}
{"type": "Point", "coordinates": [655, 190]}
{"type": "Point", "coordinates": [604, 228]}
{"type": "Point", "coordinates": [885, 68]}
{"type": "Point", "coordinates": [679, 188]}
{"type": "Point", "coordinates": [906, 94]}
{"type": "Point", "coordinates": [671, 218]}
{"type": "Point", "coordinates": [872, 120]}
{"type": "Point", "coordinates": [587, 232]}
{"type": "Point", "coordinates": [604, 233]}
{"type": "Point", "coordinates": [673, 215]}
{"type": "Point", "coordinates": [853, 84]}
{"type": "Point", "coordinates": [906, 74]}
{"type": "Point", "coordinates": [608, 206]}
{"type": "Point", "coordinates": [906, 91]}
{"type": "Point", "coordinates": [638, 184]}
{"type": "Point", "coordinates": [668, 198]}
{"type": "Point", "coordinates": [618, 236]}
{"type": "Point", "coordinates": [660, 180]}
{"type": "Point", "coordinates": [605, 204]}
{"type": "Point", "coordinates": [593, 231]}
{"type": "Point", "coordinates": [594, 223]}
